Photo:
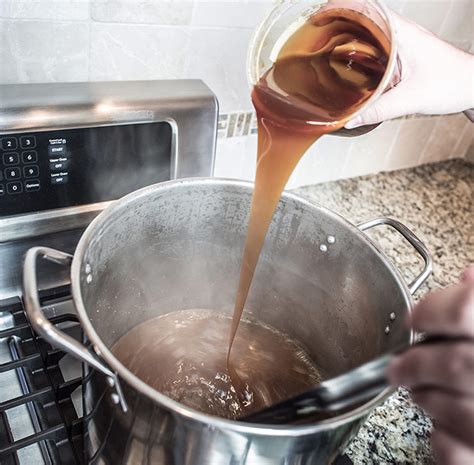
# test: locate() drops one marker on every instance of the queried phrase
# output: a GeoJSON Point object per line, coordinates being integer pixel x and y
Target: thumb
{"type": "Point", "coordinates": [392, 104]}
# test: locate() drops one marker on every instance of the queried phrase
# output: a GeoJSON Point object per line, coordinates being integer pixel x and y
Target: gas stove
{"type": "Point", "coordinates": [67, 151]}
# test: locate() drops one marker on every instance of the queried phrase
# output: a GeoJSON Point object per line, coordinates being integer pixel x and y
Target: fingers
{"type": "Point", "coordinates": [449, 451]}
{"type": "Point", "coordinates": [418, 52]}
{"type": "Point", "coordinates": [447, 312]}
{"type": "Point", "coordinates": [392, 104]}
{"type": "Point", "coordinates": [441, 375]}
{"type": "Point", "coordinates": [401, 100]}
{"type": "Point", "coordinates": [447, 366]}
{"type": "Point", "coordinates": [451, 413]}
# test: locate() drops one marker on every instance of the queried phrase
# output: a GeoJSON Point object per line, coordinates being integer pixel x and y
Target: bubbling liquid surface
{"type": "Point", "coordinates": [183, 355]}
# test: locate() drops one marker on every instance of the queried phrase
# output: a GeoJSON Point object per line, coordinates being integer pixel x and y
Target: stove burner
{"type": "Point", "coordinates": [38, 420]}
{"type": "Point", "coordinates": [40, 388]}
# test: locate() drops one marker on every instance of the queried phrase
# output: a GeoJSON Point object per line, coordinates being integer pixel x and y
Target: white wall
{"type": "Point", "coordinates": [82, 40]}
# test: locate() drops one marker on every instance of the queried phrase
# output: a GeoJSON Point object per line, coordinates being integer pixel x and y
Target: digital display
{"type": "Point", "coordinates": [54, 169]}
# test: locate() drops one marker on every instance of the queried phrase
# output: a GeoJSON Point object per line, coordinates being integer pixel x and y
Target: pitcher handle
{"type": "Point", "coordinates": [47, 330]}
{"type": "Point", "coordinates": [413, 240]}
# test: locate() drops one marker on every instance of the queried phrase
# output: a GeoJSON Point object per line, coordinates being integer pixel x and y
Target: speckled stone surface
{"type": "Point", "coordinates": [436, 202]}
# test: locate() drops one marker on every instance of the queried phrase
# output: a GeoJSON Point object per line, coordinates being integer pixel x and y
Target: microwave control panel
{"type": "Point", "coordinates": [54, 169]}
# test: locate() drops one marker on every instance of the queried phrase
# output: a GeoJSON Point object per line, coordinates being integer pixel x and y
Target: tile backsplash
{"type": "Point", "coordinates": [82, 40]}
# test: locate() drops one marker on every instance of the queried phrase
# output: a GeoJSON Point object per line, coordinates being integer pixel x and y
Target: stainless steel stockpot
{"type": "Point", "coordinates": [178, 245]}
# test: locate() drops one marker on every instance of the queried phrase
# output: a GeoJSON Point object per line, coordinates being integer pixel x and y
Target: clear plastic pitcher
{"type": "Point", "coordinates": [289, 15]}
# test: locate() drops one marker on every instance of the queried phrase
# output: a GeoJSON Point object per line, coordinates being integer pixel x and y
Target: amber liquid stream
{"type": "Point", "coordinates": [323, 74]}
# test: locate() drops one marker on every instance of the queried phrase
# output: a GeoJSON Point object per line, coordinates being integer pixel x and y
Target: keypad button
{"type": "Point", "coordinates": [29, 157]}
{"type": "Point", "coordinates": [59, 179]}
{"type": "Point", "coordinates": [59, 164]}
{"type": "Point", "coordinates": [2, 189]}
{"type": "Point", "coordinates": [32, 186]}
{"type": "Point", "coordinates": [27, 142]}
{"type": "Point", "coordinates": [59, 150]}
{"type": "Point", "coordinates": [14, 187]}
{"type": "Point", "coordinates": [12, 173]}
{"type": "Point", "coordinates": [31, 171]}
{"type": "Point", "coordinates": [9, 143]}
{"type": "Point", "coordinates": [11, 158]}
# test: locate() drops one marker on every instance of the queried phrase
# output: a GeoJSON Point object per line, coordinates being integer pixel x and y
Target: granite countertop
{"type": "Point", "coordinates": [436, 202]}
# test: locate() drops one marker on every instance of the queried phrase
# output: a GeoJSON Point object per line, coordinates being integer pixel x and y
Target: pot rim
{"type": "Point", "coordinates": [212, 421]}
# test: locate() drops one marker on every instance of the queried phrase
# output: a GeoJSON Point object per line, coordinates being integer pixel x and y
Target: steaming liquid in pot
{"type": "Point", "coordinates": [183, 355]}
{"type": "Point", "coordinates": [323, 74]}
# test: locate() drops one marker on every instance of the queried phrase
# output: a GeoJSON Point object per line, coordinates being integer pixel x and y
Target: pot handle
{"type": "Point", "coordinates": [413, 240]}
{"type": "Point", "coordinates": [47, 330]}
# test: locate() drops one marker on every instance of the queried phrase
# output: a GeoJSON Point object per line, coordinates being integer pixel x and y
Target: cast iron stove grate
{"type": "Point", "coordinates": [54, 432]}
{"type": "Point", "coordinates": [39, 390]}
